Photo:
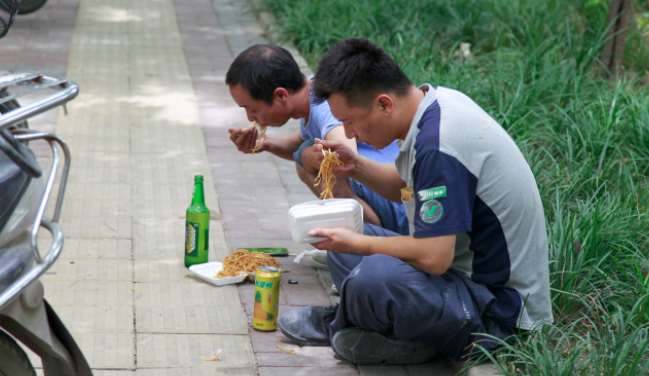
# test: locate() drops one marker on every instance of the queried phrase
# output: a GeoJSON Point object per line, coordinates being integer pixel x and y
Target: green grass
{"type": "Point", "coordinates": [535, 68]}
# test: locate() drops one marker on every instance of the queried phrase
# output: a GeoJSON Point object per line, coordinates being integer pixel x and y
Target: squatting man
{"type": "Point", "coordinates": [475, 261]}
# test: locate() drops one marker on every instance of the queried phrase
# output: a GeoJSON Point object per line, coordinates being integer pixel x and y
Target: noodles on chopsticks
{"type": "Point", "coordinates": [326, 174]}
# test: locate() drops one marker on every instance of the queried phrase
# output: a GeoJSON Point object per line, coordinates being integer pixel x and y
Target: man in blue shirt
{"type": "Point", "coordinates": [267, 83]}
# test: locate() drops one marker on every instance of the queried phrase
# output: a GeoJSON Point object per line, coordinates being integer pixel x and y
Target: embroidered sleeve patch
{"type": "Point", "coordinates": [432, 193]}
{"type": "Point", "coordinates": [431, 211]}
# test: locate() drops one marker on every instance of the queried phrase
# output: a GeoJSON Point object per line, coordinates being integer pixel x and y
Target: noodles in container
{"type": "Point", "coordinates": [243, 261]}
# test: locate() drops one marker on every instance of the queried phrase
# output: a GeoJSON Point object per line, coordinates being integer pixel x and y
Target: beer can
{"type": "Point", "coordinates": [266, 298]}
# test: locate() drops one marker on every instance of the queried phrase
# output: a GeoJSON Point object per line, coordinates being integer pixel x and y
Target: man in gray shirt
{"type": "Point", "coordinates": [476, 259]}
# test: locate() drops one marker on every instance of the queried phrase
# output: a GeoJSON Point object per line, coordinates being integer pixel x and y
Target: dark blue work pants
{"type": "Point", "coordinates": [386, 295]}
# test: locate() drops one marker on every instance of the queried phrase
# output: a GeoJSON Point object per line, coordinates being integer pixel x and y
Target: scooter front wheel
{"type": "Point", "coordinates": [13, 360]}
{"type": "Point", "coordinates": [29, 6]}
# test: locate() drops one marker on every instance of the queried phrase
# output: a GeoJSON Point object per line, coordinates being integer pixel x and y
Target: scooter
{"type": "Point", "coordinates": [25, 315]}
{"type": "Point", "coordinates": [9, 9]}
{"type": "Point", "coordinates": [29, 6]}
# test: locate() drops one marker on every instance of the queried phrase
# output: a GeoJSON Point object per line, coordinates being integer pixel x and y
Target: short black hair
{"type": "Point", "coordinates": [262, 68]}
{"type": "Point", "coordinates": [358, 69]}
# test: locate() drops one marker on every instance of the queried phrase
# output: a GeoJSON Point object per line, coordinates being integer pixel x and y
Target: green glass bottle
{"type": "Point", "coordinates": [197, 226]}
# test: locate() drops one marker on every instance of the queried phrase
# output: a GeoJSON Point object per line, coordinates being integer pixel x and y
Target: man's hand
{"type": "Point", "coordinates": [339, 239]}
{"type": "Point", "coordinates": [246, 139]}
{"type": "Point", "coordinates": [312, 159]}
{"type": "Point", "coordinates": [346, 155]}
{"type": "Point", "coordinates": [430, 255]}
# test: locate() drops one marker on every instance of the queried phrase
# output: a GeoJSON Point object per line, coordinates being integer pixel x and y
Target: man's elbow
{"type": "Point", "coordinates": [436, 265]}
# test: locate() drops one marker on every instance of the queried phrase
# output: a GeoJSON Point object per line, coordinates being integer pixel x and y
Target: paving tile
{"type": "Point", "coordinates": [88, 293]}
{"type": "Point", "coordinates": [176, 167]}
{"type": "Point", "coordinates": [393, 370]}
{"type": "Point", "coordinates": [191, 319]}
{"type": "Point", "coordinates": [108, 227]}
{"type": "Point", "coordinates": [109, 372]}
{"type": "Point", "coordinates": [244, 241]}
{"type": "Point", "coordinates": [98, 174]}
{"type": "Point", "coordinates": [488, 369]}
{"type": "Point", "coordinates": [203, 370]}
{"type": "Point", "coordinates": [327, 282]}
{"type": "Point", "coordinates": [347, 370]}
{"type": "Point", "coordinates": [307, 356]}
{"type": "Point", "coordinates": [101, 191]}
{"type": "Point", "coordinates": [310, 280]}
{"type": "Point", "coordinates": [181, 191]}
{"type": "Point", "coordinates": [95, 148]}
{"type": "Point", "coordinates": [304, 294]}
{"type": "Point", "coordinates": [76, 123]}
{"type": "Point", "coordinates": [168, 269]}
{"type": "Point", "coordinates": [85, 208]}
{"type": "Point", "coordinates": [193, 294]}
{"type": "Point", "coordinates": [439, 366]}
{"type": "Point", "coordinates": [240, 221]}
{"type": "Point", "coordinates": [146, 208]}
{"type": "Point", "coordinates": [115, 270]}
{"type": "Point", "coordinates": [268, 341]}
{"type": "Point", "coordinates": [279, 222]}
{"type": "Point", "coordinates": [257, 233]}
{"type": "Point", "coordinates": [164, 238]}
{"type": "Point", "coordinates": [236, 193]}
{"type": "Point", "coordinates": [102, 248]}
{"type": "Point", "coordinates": [189, 350]}
{"type": "Point", "coordinates": [97, 319]}
{"type": "Point", "coordinates": [114, 351]}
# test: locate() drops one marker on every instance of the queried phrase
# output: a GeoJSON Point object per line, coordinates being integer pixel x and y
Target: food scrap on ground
{"type": "Point", "coordinates": [289, 351]}
{"type": "Point", "coordinates": [215, 357]}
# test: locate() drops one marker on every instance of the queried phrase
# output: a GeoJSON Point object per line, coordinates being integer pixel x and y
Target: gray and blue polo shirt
{"type": "Point", "coordinates": [469, 178]}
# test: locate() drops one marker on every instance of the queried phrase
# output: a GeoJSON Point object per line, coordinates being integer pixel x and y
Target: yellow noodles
{"type": "Point", "coordinates": [262, 135]}
{"type": "Point", "coordinates": [326, 173]}
{"type": "Point", "coordinates": [243, 261]}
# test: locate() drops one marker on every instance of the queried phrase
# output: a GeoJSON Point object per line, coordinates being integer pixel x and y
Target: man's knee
{"type": "Point", "coordinates": [306, 178]}
{"type": "Point", "coordinates": [376, 272]}
{"type": "Point", "coordinates": [303, 175]}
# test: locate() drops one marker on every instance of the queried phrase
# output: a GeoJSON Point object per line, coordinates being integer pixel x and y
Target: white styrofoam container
{"type": "Point", "coordinates": [336, 212]}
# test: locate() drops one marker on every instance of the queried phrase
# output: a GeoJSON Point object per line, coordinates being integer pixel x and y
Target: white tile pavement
{"type": "Point", "coordinates": [136, 140]}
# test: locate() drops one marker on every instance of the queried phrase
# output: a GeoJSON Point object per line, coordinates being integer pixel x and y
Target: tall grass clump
{"type": "Point", "coordinates": [534, 66]}
{"type": "Point", "coordinates": [615, 344]}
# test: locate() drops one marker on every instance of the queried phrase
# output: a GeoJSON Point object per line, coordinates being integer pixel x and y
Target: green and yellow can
{"type": "Point", "coordinates": [266, 305]}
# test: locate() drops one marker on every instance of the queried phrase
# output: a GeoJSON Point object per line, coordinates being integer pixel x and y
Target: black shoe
{"type": "Point", "coordinates": [308, 326]}
{"type": "Point", "coordinates": [369, 348]}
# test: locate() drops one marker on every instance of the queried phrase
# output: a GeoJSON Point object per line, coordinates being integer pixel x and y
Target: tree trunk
{"type": "Point", "coordinates": [618, 20]}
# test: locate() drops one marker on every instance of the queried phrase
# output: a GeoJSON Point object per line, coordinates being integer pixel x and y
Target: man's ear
{"type": "Point", "coordinates": [384, 103]}
{"type": "Point", "coordinates": [281, 95]}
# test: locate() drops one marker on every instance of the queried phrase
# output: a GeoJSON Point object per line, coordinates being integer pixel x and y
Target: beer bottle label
{"type": "Point", "coordinates": [191, 239]}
